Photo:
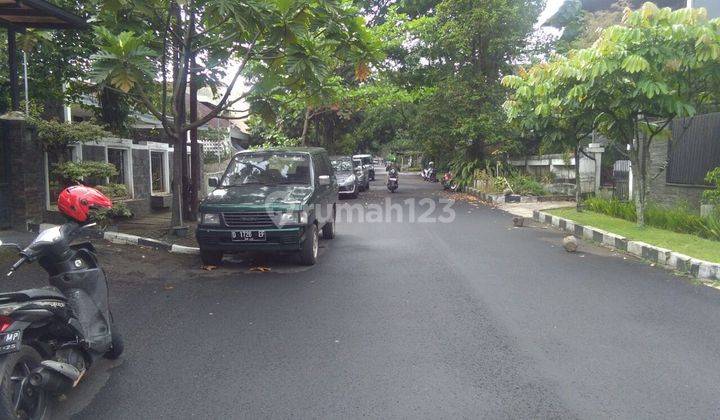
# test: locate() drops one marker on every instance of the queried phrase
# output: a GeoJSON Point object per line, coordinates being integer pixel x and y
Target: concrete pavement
{"type": "Point", "coordinates": [471, 318]}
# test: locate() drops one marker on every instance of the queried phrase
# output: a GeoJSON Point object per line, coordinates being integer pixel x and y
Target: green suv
{"type": "Point", "coordinates": [270, 200]}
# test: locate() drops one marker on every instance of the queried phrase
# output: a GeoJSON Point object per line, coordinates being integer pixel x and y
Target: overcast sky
{"type": "Point", "coordinates": [551, 7]}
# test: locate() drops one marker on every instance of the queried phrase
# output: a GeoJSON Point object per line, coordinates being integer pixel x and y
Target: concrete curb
{"type": "Point", "coordinates": [122, 238]}
{"type": "Point", "coordinates": [125, 239]}
{"type": "Point", "coordinates": [500, 198]}
{"type": "Point", "coordinates": [666, 258]}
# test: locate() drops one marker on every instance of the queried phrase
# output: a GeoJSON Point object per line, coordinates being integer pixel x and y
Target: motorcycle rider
{"type": "Point", "coordinates": [392, 165]}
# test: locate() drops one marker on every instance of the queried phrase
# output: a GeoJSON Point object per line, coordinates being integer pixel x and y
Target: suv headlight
{"type": "Point", "coordinates": [293, 217]}
{"type": "Point", "coordinates": [210, 219]}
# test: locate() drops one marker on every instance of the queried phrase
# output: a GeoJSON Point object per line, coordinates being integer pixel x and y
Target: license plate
{"type": "Point", "coordinates": [249, 236]}
{"type": "Point", "coordinates": [10, 342]}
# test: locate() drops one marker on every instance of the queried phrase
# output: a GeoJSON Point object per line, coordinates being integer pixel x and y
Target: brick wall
{"type": "Point", "coordinates": [668, 194]}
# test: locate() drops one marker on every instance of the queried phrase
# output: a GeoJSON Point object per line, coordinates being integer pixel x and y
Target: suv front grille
{"type": "Point", "coordinates": [248, 219]}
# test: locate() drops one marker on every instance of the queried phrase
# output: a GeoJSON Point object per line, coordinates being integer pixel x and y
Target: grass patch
{"type": "Point", "coordinates": [683, 243]}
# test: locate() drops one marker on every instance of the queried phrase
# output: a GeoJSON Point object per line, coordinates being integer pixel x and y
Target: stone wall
{"type": "Point", "coordinates": [94, 153]}
{"type": "Point", "coordinates": [27, 171]}
{"type": "Point", "coordinates": [141, 173]}
{"type": "Point", "coordinates": [141, 183]}
{"type": "Point", "coordinates": [669, 194]}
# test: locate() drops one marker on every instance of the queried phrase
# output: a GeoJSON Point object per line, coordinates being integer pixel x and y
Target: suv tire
{"type": "Point", "coordinates": [211, 257]}
{"type": "Point", "coordinates": [309, 247]}
{"type": "Point", "coordinates": [328, 231]}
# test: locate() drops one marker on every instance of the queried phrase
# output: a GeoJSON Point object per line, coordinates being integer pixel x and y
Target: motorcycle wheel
{"type": "Point", "coordinates": [117, 345]}
{"type": "Point", "coordinates": [15, 369]}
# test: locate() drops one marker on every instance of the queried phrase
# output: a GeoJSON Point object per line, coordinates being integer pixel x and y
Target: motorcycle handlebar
{"type": "Point", "coordinates": [17, 265]}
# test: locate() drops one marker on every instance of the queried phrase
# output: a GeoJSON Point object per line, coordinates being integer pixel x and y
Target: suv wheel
{"type": "Point", "coordinates": [309, 249]}
{"type": "Point", "coordinates": [328, 231]}
{"type": "Point", "coordinates": [211, 257]}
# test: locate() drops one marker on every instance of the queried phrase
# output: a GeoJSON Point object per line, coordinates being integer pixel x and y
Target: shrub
{"type": "Point", "coordinates": [525, 185]}
{"type": "Point", "coordinates": [677, 219]}
{"type": "Point", "coordinates": [72, 172]}
{"type": "Point", "coordinates": [55, 136]}
{"type": "Point", "coordinates": [114, 190]}
{"type": "Point", "coordinates": [105, 217]}
{"type": "Point", "coordinates": [713, 196]}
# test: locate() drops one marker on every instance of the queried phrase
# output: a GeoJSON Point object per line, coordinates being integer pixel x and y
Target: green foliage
{"type": "Point", "coordinates": [114, 191]}
{"type": "Point", "coordinates": [636, 78]}
{"type": "Point", "coordinates": [72, 172]}
{"type": "Point", "coordinates": [105, 217]}
{"type": "Point", "coordinates": [524, 184]}
{"type": "Point", "coordinates": [713, 196]}
{"type": "Point", "coordinates": [677, 219]}
{"type": "Point", "coordinates": [56, 136]}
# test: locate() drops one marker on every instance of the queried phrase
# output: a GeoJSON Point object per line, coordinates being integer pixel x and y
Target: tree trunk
{"type": "Point", "coordinates": [639, 159]}
{"type": "Point", "coordinates": [578, 191]}
{"type": "Point", "coordinates": [196, 174]}
{"type": "Point", "coordinates": [179, 140]}
{"type": "Point", "coordinates": [195, 158]}
{"type": "Point", "coordinates": [306, 122]}
{"type": "Point", "coordinates": [177, 186]}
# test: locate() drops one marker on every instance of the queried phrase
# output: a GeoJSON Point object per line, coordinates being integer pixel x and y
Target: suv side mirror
{"type": "Point", "coordinates": [213, 182]}
{"type": "Point", "coordinates": [324, 180]}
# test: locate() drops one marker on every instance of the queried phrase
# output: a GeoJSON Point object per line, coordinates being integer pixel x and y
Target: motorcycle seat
{"type": "Point", "coordinates": [32, 294]}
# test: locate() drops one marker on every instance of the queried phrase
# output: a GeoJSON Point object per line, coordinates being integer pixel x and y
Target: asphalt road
{"type": "Point", "coordinates": [470, 318]}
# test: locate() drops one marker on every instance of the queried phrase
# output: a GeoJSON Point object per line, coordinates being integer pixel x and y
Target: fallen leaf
{"type": "Point", "coordinates": [209, 267]}
{"type": "Point", "coordinates": [260, 269]}
{"type": "Point", "coordinates": [168, 287]}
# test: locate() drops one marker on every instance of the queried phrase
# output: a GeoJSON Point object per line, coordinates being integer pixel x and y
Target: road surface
{"type": "Point", "coordinates": [469, 318]}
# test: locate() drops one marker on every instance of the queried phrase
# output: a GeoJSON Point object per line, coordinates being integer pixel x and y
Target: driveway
{"type": "Point", "coordinates": [469, 318]}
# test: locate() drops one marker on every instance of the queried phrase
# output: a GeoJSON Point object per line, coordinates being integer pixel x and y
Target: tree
{"type": "Point", "coordinates": [286, 37]}
{"type": "Point", "coordinates": [630, 84]}
{"type": "Point", "coordinates": [548, 101]}
{"type": "Point", "coordinates": [636, 78]}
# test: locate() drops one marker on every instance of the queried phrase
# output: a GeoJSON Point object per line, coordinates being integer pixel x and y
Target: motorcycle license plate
{"type": "Point", "coordinates": [10, 341]}
{"type": "Point", "coordinates": [393, 179]}
{"type": "Point", "coordinates": [249, 236]}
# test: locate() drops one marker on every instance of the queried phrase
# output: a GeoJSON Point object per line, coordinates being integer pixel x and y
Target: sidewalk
{"type": "Point", "coordinates": [157, 226]}
{"type": "Point", "coordinates": [17, 237]}
{"type": "Point", "coordinates": [528, 209]}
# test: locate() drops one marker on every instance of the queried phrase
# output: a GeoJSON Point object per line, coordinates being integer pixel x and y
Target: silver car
{"type": "Point", "coordinates": [367, 163]}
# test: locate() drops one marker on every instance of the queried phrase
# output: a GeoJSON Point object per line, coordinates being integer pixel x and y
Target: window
{"type": "Point", "coordinates": [267, 169]}
{"type": "Point", "coordinates": [322, 165]}
{"type": "Point", "coordinates": [118, 158]}
{"type": "Point", "coordinates": [157, 171]}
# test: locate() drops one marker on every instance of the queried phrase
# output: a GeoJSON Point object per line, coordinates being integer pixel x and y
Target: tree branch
{"type": "Point", "coordinates": [224, 103]}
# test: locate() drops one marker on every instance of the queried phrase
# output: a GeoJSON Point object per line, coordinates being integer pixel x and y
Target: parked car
{"type": "Point", "coordinates": [367, 161]}
{"type": "Point", "coordinates": [348, 180]}
{"type": "Point", "coordinates": [363, 174]}
{"type": "Point", "coordinates": [270, 200]}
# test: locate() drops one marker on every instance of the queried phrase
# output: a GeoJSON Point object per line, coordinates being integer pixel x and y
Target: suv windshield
{"type": "Point", "coordinates": [267, 169]}
{"type": "Point", "coordinates": [342, 165]}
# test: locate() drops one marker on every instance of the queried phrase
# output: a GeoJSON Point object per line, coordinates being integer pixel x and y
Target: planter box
{"type": "Point", "coordinates": [158, 202]}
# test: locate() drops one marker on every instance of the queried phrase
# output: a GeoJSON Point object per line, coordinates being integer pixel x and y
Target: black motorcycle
{"type": "Point", "coordinates": [392, 181]}
{"type": "Point", "coordinates": [50, 336]}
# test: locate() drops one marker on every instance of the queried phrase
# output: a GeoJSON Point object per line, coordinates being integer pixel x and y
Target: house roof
{"type": "Point", "coordinates": [21, 14]}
